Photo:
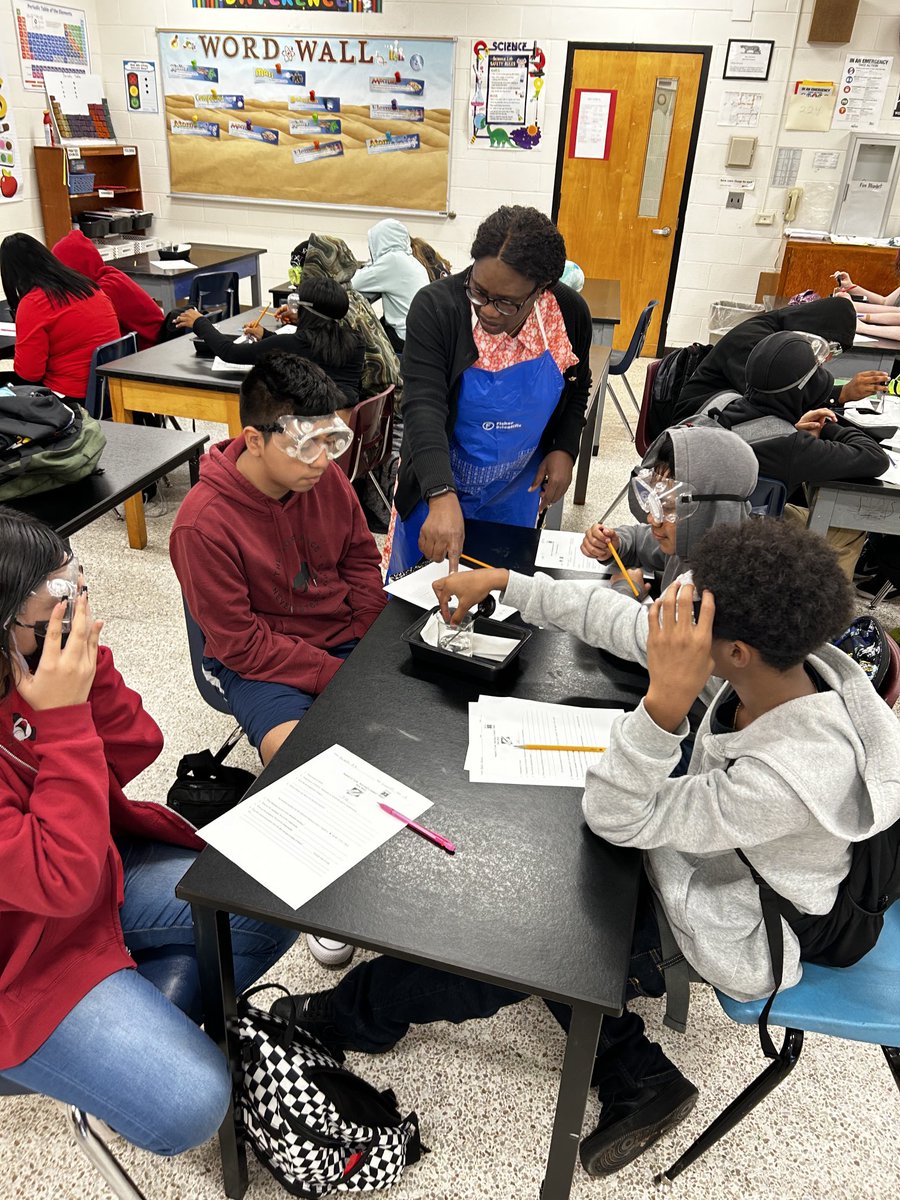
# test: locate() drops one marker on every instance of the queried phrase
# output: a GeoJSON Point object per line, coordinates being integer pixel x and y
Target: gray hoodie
{"type": "Point", "coordinates": [792, 790]}
{"type": "Point", "coordinates": [714, 462]}
{"type": "Point", "coordinates": [394, 273]}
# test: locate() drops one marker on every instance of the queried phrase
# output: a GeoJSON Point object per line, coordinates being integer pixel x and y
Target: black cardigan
{"type": "Point", "coordinates": [439, 348]}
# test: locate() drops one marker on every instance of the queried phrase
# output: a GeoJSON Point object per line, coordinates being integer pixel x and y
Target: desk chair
{"type": "Point", "coordinates": [860, 1003]}
{"type": "Point", "coordinates": [372, 421]}
{"type": "Point", "coordinates": [216, 294]}
{"type": "Point", "coordinates": [92, 1146]}
{"type": "Point", "coordinates": [621, 360]}
{"type": "Point", "coordinates": [641, 443]}
{"type": "Point", "coordinates": [769, 498]}
{"type": "Point", "coordinates": [209, 690]}
{"type": "Point", "coordinates": [95, 397]}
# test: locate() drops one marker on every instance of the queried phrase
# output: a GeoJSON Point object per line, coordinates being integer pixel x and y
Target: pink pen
{"type": "Point", "coordinates": [444, 843]}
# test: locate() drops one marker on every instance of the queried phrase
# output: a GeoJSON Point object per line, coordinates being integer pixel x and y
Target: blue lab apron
{"type": "Point", "coordinates": [494, 449]}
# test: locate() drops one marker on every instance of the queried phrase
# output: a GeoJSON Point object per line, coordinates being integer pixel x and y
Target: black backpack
{"type": "Point", "coordinates": [671, 375]}
{"type": "Point", "coordinates": [44, 442]}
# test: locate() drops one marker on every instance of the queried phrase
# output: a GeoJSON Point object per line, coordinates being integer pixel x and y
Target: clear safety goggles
{"type": "Point", "coordinates": [65, 584]}
{"type": "Point", "coordinates": [671, 500]}
{"type": "Point", "coordinates": [305, 438]}
{"type": "Point", "coordinates": [823, 351]}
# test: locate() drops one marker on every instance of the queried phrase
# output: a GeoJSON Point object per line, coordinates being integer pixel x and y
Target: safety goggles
{"type": "Point", "coordinates": [66, 584]}
{"type": "Point", "coordinates": [823, 351]}
{"type": "Point", "coordinates": [669, 499]}
{"type": "Point", "coordinates": [305, 438]}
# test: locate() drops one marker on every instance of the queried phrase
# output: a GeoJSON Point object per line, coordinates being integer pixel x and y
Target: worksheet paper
{"type": "Point", "coordinates": [220, 365]}
{"type": "Point", "coordinates": [892, 474]}
{"type": "Point", "coordinates": [7, 328]}
{"type": "Point", "coordinates": [170, 264]}
{"type": "Point", "coordinates": [499, 726]}
{"type": "Point", "coordinates": [562, 550]}
{"type": "Point", "coordinates": [416, 588]}
{"type": "Point", "coordinates": [304, 831]}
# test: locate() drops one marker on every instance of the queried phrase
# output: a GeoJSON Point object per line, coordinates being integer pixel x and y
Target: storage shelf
{"type": "Point", "coordinates": [114, 171]}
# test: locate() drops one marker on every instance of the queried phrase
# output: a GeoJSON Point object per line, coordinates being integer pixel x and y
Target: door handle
{"type": "Point", "coordinates": [664, 232]}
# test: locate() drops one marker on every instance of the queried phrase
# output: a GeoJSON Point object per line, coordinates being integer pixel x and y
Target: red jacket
{"type": "Point", "coordinates": [136, 311]}
{"type": "Point", "coordinates": [275, 585]}
{"type": "Point", "coordinates": [61, 804]}
{"type": "Point", "coordinates": [54, 342]}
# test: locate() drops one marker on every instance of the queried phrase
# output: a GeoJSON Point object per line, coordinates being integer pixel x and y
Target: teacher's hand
{"type": "Point", "coordinates": [553, 477]}
{"type": "Point", "coordinates": [444, 530]}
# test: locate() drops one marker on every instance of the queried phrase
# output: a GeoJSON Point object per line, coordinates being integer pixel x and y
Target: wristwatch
{"type": "Point", "coordinates": [440, 491]}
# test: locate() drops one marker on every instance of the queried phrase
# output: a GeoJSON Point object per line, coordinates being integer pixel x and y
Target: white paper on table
{"type": "Point", "coordinates": [7, 328]}
{"type": "Point", "coordinates": [862, 339]}
{"type": "Point", "coordinates": [892, 474]}
{"type": "Point", "coordinates": [170, 265]}
{"type": "Point", "coordinates": [484, 645]}
{"type": "Point", "coordinates": [416, 588]}
{"type": "Point", "coordinates": [562, 550]}
{"type": "Point", "coordinates": [307, 829]}
{"type": "Point", "coordinates": [219, 364]}
{"type": "Point", "coordinates": [498, 726]}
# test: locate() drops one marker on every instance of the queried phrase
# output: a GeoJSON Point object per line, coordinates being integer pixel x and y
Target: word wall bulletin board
{"type": "Point", "coordinates": [356, 122]}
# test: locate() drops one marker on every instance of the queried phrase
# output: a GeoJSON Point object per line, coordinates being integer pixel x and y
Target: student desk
{"type": "Point", "coordinates": [868, 504]}
{"type": "Point", "coordinates": [879, 355]}
{"type": "Point", "coordinates": [532, 899]}
{"type": "Point", "coordinates": [171, 379]}
{"type": "Point", "coordinates": [604, 300]}
{"type": "Point", "coordinates": [168, 287]}
{"type": "Point", "coordinates": [135, 456]}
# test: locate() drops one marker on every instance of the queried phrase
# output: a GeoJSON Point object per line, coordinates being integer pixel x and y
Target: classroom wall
{"type": "Point", "coordinates": [722, 252]}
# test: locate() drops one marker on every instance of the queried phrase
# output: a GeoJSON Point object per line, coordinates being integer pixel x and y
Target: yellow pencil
{"type": "Point", "coordinates": [588, 749]}
{"type": "Point", "coordinates": [262, 314]}
{"type": "Point", "coordinates": [476, 561]}
{"type": "Point", "coordinates": [614, 552]}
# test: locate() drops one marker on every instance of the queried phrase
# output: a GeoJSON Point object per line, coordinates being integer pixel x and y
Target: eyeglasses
{"type": "Point", "coordinates": [506, 308]}
{"type": "Point", "coordinates": [309, 437]}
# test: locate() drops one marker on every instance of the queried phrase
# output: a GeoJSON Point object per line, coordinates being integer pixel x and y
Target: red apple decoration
{"type": "Point", "coordinates": [9, 185]}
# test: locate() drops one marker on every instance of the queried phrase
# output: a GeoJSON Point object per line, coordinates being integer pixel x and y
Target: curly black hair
{"type": "Point", "coordinates": [526, 240]}
{"type": "Point", "coordinates": [282, 383]}
{"type": "Point", "coordinates": [777, 587]}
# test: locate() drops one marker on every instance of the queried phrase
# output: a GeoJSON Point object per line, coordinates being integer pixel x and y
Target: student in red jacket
{"type": "Point", "coordinates": [61, 317]}
{"type": "Point", "coordinates": [135, 310]}
{"type": "Point", "coordinates": [272, 551]}
{"type": "Point", "coordinates": [99, 987]}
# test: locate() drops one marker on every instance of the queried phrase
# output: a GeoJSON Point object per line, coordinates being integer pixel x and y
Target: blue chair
{"type": "Point", "coordinates": [216, 294]}
{"type": "Point", "coordinates": [860, 1003]}
{"type": "Point", "coordinates": [208, 688]}
{"type": "Point", "coordinates": [769, 498]}
{"type": "Point", "coordinates": [92, 1146]}
{"type": "Point", "coordinates": [621, 360]}
{"type": "Point", "coordinates": [95, 397]}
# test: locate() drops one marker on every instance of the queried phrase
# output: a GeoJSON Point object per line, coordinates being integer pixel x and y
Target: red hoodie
{"type": "Point", "coordinates": [62, 771]}
{"type": "Point", "coordinates": [275, 584]}
{"type": "Point", "coordinates": [136, 311]}
{"type": "Point", "coordinates": [54, 342]}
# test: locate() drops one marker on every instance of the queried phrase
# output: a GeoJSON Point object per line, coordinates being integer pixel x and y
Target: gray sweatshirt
{"type": "Point", "coordinates": [792, 790]}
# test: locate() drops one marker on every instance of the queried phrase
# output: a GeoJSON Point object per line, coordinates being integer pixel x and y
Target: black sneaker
{"type": "Point", "coordinates": [314, 1010]}
{"type": "Point", "coordinates": [632, 1123]}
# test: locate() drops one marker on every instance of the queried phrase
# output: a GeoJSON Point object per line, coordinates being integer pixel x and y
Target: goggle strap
{"type": "Point", "coordinates": [716, 496]}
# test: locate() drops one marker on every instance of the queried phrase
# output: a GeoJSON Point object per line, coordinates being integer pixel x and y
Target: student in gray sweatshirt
{"type": "Point", "coordinates": [796, 758]}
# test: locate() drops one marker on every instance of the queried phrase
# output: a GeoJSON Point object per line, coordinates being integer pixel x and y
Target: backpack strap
{"type": "Point", "coordinates": [771, 912]}
{"type": "Point", "coordinates": [676, 971]}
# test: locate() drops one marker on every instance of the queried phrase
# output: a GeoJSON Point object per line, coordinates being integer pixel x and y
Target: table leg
{"type": "Point", "coordinates": [212, 938]}
{"type": "Point", "coordinates": [194, 468]}
{"type": "Point", "coordinates": [255, 293]}
{"type": "Point", "coordinates": [821, 508]}
{"type": "Point", "coordinates": [590, 436]}
{"type": "Point", "coordinates": [135, 522]}
{"type": "Point", "coordinates": [574, 1084]}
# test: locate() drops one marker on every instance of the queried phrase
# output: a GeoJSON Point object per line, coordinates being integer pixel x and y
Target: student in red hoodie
{"type": "Point", "coordinates": [136, 311]}
{"type": "Point", "coordinates": [61, 317]}
{"type": "Point", "coordinates": [272, 551]}
{"type": "Point", "coordinates": [99, 987]}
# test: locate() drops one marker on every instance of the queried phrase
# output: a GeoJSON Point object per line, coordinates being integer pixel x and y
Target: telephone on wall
{"type": "Point", "coordinates": [792, 203]}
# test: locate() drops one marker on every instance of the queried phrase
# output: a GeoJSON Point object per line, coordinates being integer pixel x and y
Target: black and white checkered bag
{"type": "Point", "coordinates": [316, 1126]}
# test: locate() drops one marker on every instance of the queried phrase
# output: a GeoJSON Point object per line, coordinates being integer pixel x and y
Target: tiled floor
{"type": "Point", "coordinates": [484, 1091]}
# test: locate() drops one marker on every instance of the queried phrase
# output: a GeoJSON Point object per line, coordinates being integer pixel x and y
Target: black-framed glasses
{"type": "Point", "coordinates": [506, 308]}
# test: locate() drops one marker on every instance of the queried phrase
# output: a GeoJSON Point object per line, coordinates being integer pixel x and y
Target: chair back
{"type": "Point", "coordinates": [372, 422]}
{"type": "Point", "coordinates": [636, 345]}
{"type": "Point", "coordinates": [210, 692]}
{"type": "Point", "coordinates": [769, 498]}
{"type": "Point", "coordinates": [641, 439]}
{"type": "Point", "coordinates": [890, 685]}
{"type": "Point", "coordinates": [216, 294]}
{"type": "Point", "coordinates": [95, 396]}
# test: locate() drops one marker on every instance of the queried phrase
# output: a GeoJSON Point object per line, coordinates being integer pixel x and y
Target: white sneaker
{"type": "Point", "coordinates": [328, 952]}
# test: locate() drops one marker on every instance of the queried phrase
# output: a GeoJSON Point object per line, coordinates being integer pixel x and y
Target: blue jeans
{"type": "Point", "coordinates": [376, 1002]}
{"type": "Point", "coordinates": [131, 1052]}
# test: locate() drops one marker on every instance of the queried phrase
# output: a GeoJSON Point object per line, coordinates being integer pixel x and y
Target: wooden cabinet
{"type": "Point", "coordinates": [811, 265]}
{"type": "Point", "coordinates": [113, 167]}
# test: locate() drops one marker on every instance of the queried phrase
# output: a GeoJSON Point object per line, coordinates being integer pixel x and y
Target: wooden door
{"type": "Point", "coordinates": [621, 210]}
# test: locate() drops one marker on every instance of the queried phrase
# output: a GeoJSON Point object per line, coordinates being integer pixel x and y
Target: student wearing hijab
{"type": "Point", "coordinates": [723, 369]}
{"type": "Point", "coordinates": [135, 310]}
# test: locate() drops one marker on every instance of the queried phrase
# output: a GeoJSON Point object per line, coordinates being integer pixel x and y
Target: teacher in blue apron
{"type": "Point", "coordinates": [496, 377]}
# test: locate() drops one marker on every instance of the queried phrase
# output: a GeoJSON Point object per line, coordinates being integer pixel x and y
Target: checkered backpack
{"type": "Point", "coordinates": [318, 1128]}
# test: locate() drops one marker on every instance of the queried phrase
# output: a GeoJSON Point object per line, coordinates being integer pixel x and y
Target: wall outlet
{"type": "Point", "coordinates": [735, 200]}
{"type": "Point", "coordinates": [765, 218]}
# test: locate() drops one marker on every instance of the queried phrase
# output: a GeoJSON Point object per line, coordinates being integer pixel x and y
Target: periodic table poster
{"type": "Point", "coordinates": [347, 120]}
{"type": "Point", "coordinates": [51, 38]}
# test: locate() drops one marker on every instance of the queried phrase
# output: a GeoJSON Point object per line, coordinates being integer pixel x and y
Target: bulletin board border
{"type": "Point", "coordinates": [445, 213]}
